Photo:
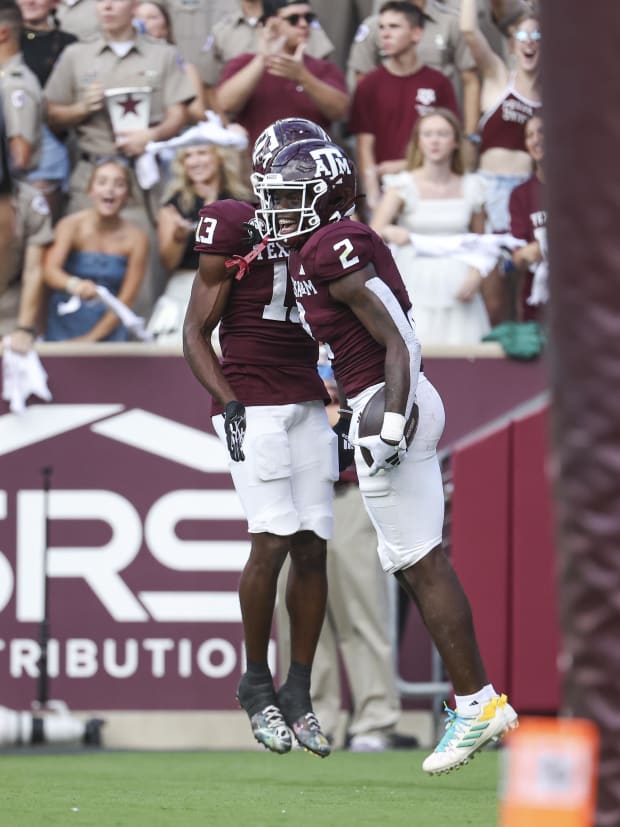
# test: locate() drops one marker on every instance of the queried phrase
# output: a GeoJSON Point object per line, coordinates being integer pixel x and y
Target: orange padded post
{"type": "Point", "coordinates": [549, 774]}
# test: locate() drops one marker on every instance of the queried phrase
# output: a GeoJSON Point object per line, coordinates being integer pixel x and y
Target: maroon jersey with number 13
{"type": "Point", "coordinates": [267, 357]}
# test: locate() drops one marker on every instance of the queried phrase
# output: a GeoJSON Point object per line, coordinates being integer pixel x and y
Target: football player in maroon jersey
{"type": "Point", "coordinates": [269, 409]}
{"type": "Point", "coordinates": [350, 295]}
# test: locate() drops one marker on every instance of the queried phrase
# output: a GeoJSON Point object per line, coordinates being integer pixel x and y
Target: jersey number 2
{"type": "Point", "coordinates": [347, 248]}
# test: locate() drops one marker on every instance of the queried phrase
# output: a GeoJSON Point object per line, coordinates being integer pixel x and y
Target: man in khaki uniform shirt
{"type": "Point", "coordinates": [193, 22]}
{"type": "Point", "coordinates": [119, 58]}
{"type": "Point", "coordinates": [340, 20]}
{"type": "Point", "coordinates": [22, 100]}
{"type": "Point", "coordinates": [75, 94]}
{"type": "Point", "coordinates": [20, 299]}
{"type": "Point", "coordinates": [79, 17]}
{"type": "Point", "coordinates": [237, 34]}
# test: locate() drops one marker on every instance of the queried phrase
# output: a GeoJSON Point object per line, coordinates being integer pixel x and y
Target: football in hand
{"type": "Point", "coordinates": [371, 421]}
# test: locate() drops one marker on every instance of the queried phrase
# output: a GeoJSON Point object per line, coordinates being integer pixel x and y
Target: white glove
{"type": "Point", "coordinates": [385, 456]}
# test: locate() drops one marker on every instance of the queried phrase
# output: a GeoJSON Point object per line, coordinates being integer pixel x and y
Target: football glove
{"type": "Point", "coordinates": [234, 426]}
{"type": "Point", "coordinates": [346, 451]}
{"type": "Point", "coordinates": [385, 456]}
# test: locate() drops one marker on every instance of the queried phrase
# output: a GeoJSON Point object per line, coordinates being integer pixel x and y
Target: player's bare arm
{"type": "Point", "coordinates": [210, 293]}
{"type": "Point", "coordinates": [353, 291]}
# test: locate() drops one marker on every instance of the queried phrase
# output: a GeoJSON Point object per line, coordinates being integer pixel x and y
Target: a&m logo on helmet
{"type": "Point", "coordinates": [265, 147]}
{"type": "Point", "coordinates": [331, 162]}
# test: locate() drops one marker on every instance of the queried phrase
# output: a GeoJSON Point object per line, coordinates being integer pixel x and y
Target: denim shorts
{"type": "Point", "coordinates": [499, 188]}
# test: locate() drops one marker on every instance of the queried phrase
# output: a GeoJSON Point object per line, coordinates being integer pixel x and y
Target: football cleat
{"type": "Point", "coordinates": [305, 725]}
{"type": "Point", "coordinates": [308, 733]}
{"type": "Point", "coordinates": [270, 729]}
{"type": "Point", "coordinates": [268, 725]}
{"type": "Point", "coordinates": [466, 734]}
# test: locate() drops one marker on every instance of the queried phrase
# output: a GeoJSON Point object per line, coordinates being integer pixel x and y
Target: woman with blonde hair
{"type": "Point", "coordinates": [200, 175]}
{"type": "Point", "coordinates": [92, 248]}
{"type": "Point", "coordinates": [435, 196]}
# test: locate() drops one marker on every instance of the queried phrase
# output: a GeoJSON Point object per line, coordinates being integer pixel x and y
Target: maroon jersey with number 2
{"type": "Point", "coordinates": [331, 253]}
{"type": "Point", "coordinates": [267, 357]}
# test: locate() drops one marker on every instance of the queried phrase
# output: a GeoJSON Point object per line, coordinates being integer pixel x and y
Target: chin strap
{"type": "Point", "coordinates": [243, 262]}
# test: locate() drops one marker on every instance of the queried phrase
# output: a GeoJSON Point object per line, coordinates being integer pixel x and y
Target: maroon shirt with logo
{"type": "Point", "coordinates": [388, 106]}
{"type": "Point", "coordinates": [267, 357]}
{"type": "Point", "coordinates": [504, 124]}
{"type": "Point", "coordinates": [330, 253]}
{"type": "Point", "coordinates": [276, 97]}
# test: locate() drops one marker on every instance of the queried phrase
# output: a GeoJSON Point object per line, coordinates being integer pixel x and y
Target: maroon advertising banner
{"type": "Point", "coordinates": [141, 532]}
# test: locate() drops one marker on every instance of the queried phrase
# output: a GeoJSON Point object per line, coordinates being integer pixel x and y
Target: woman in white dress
{"type": "Point", "coordinates": [434, 196]}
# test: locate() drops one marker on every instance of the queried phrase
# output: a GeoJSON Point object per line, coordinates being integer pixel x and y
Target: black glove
{"type": "Point", "coordinates": [346, 451]}
{"type": "Point", "coordinates": [234, 425]}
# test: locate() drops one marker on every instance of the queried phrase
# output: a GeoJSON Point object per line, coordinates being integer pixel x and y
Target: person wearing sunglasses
{"type": "Point", "coordinates": [509, 97]}
{"type": "Point", "coordinates": [281, 80]}
{"type": "Point", "coordinates": [238, 33]}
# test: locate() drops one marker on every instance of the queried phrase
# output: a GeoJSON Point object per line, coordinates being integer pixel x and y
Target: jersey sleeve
{"type": "Point", "coordinates": [341, 248]}
{"type": "Point", "coordinates": [220, 229]}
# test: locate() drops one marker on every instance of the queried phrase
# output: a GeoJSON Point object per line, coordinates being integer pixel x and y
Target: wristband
{"type": "Point", "coordinates": [393, 427]}
{"type": "Point", "coordinates": [27, 329]}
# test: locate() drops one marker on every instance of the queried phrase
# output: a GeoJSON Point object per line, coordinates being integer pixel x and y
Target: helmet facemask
{"type": "Point", "coordinates": [288, 208]}
{"type": "Point", "coordinates": [307, 184]}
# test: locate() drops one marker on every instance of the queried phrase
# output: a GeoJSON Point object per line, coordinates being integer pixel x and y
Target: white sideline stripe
{"type": "Point", "coordinates": [198, 607]}
{"type": "Point", "coordinates": [165, 438]}
{"type": "Point", "coordinates": [41, 422]}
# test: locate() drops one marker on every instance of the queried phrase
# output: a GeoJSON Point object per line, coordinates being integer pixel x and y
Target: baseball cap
{"type": "Point", "coordinates": [270, 7]}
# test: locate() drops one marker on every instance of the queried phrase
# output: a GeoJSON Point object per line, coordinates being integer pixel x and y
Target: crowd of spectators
{"type": "Point", "coordinates": [85, 81]}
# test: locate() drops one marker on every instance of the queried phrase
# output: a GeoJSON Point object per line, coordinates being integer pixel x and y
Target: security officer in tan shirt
{"type": "Point", "coordinates": [22, 100]}
{"type": "Point", "coordinates": [79, 17]}
{"type": "Point", "coordinates": [193, 22]}
{"type": "Point", "coordinates": [76, 99]}
{"type": "Point", "coordinates": [120, 58]}
{"type": "Point", "coordinates": [22, 295]}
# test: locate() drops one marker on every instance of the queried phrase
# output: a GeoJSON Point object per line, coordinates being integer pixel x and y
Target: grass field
{"type": "Point", "coordinates": [228, 789]}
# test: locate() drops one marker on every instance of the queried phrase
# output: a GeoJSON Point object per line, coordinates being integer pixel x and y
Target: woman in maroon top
{"type": "Point", "coordinates": [509, 96]}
